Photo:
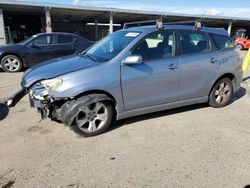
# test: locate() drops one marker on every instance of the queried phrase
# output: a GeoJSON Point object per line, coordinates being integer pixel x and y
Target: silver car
{"type": "Point", "coordinates": [136, 70]}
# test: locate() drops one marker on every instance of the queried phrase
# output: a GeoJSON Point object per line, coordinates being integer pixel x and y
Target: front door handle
{"type": "Point", "coordinates": [213, 60]}
{"type": "Point", "coordinates": [173, 66]}
{"type": "Point", "coordinates": [49, 47]}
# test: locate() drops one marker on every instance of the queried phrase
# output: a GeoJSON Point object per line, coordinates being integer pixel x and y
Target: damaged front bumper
{"type": "Point", "coordinates": [41, 99]}
{"type": "Point", "coordinates": [57, 109]}
{"type": "Point", "coordinates": [38, 97]}
{"type": "Point", "coordinates": [16, 97]}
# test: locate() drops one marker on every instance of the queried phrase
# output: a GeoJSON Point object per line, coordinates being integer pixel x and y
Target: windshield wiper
{"type": "Point", "coordinates": [90, 57]}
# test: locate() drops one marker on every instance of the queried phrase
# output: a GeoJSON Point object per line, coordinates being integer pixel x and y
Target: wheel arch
{"type": "Point", "coordinates": [99, 95]}
{"type": "Point", "coordinates": [231, 76]}
{"type": "Point", "coordinates": [242, 44]}
{"type": "Point", "coordinates": [97, 91]}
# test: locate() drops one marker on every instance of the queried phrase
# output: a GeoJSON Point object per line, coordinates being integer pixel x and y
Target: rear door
{"type": "Point", "coordinates": [65, 45]}
{"type": "Point", "coordinates": [199, 65]}
{"type": "Point", "coordinates": [156, 80]}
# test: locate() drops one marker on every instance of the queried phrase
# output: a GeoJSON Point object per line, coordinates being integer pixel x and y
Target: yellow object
{"type": "Point", "coordinates": [246, 62]}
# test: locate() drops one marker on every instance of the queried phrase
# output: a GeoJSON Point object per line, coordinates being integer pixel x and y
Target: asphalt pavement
{"type": "Point", "coordinates": [194, 146]}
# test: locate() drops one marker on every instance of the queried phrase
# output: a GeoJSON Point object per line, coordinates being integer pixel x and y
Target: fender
{"type": "Point", "coordinates": [69, 109]}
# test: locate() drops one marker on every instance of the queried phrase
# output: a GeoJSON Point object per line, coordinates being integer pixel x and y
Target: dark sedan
{"type": "Point", "coordinates": [38, 48]}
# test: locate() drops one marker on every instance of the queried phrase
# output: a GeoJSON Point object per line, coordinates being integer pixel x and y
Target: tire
{"type": "Point", "coordinates": [11, 63]}
{"type": "Point", "coordinates": [92, 118]}
{"type": "Point", "coordinates": [221, 93]}
{"type": "Point", "coordinates": [239, 46]}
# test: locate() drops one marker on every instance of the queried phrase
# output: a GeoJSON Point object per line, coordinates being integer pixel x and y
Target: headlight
{"type": "Point", "coordinates": [43, 88]}
{"type": "Point", "coordinates": [51, 84]}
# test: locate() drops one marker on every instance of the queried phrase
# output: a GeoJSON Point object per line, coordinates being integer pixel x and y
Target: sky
{"type": "Point", "coordinates": [233, 8]}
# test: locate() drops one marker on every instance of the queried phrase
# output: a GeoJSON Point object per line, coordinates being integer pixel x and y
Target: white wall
{"type": "Point", "coordinates": [2, 31]}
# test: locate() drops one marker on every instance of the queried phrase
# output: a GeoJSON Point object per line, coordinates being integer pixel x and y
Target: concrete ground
{"type": "Point", "coordinates": [195, 146]}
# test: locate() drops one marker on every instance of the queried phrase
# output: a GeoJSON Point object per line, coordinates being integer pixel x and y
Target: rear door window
{"type": "Point", "coordinates": [64, 39]}
{"type": "Point", "coordinates": [222, 41]}
{"type": "Point", "coordinates": [193, 42]}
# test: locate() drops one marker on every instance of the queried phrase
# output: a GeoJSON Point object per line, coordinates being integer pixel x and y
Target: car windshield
{"type": "Point", "coordinates": [25, 41]}
{"type": "Point", "coordinates": [110, 46]}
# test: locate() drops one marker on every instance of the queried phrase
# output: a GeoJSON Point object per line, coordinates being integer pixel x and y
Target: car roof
{"type": "Point", "coordinates": [152, 28]}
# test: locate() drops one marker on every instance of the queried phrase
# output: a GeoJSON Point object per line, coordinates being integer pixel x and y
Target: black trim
{"type": "Point", "coordinates": [16, 97]}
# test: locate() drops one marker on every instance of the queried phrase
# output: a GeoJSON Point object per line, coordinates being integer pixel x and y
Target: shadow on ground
{"type": "Point", "coordinates": [4, 111]}
{"type": "Point", "coordinates": [239, 94]}
{"type": "Point", "coordinates": [121, 123]}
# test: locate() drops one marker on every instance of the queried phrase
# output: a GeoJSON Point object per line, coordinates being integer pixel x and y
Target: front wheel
{"type": "Point", "coordinates": [11, 63]}
{"type": "Point", "coordinates": [221, 93]}
{"type": "Point", "coordinates": [93, 119]}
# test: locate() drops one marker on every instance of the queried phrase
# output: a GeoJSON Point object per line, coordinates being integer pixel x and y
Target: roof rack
{"type": "Point", "coordinates": [159, 23]}
{"type": "Point", "coordinates": [197, 23]}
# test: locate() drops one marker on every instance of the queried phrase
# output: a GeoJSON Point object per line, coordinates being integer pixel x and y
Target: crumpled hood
{"type": "Point", "coordinates": [54, 68]}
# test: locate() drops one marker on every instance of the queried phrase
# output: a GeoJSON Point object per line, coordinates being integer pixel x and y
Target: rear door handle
{"type": "Point", "coordinates": [213, 60]}
{"type": "Point", "coordinates": [173, 66]}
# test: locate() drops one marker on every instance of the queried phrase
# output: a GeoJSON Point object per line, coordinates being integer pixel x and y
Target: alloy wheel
{"type": "Point", "coordinates": [222, 93]}
{"type": "Point", "coordinates": [92, 117]}
{"type": "Point", "coordinates": [11, 64]}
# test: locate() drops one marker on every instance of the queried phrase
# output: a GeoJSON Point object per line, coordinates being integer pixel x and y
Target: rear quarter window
{"type": "Point", "coordinates": [222, 41]}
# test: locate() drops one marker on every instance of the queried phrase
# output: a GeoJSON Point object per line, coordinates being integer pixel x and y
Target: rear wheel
{"type": "Point", "coordinates": [11, 63]}
{"type": "Point", "coordinates": [239, 46]}
{"type": "Point", "coordinates": [221, 93]}
{"type": "Point", "coordinates": [93, 118]}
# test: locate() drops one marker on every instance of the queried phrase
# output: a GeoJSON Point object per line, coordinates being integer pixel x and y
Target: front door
{"type": "Point", "coordinates": [40, 49]}
{"type": "Point", "coordinates": [156, 80]}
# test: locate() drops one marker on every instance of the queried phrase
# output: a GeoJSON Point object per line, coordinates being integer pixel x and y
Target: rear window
{"type": "Point", "coordinates": [223, 41]}
{"type": "Point", "coordinates": [62, 39]}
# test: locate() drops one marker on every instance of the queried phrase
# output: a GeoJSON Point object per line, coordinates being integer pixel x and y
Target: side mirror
{"type": "Point", "coordinates": [133, 59]}
{"type": "Point", "coordinates": [33, 45]}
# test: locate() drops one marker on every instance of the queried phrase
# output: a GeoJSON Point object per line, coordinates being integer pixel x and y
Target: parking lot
{"type": "Point", "coordinates": [194, 146]}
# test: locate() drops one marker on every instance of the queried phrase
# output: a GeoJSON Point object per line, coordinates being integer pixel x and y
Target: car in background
{"type": "Point", "coordinates": [39, 48]}
{"type": "Point", "coordinates": [241, 40]}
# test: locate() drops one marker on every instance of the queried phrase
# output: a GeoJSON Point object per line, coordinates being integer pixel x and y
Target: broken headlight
{"type": "Point", "coordinates": [51, 84]}
{"type": "Point", "coordinates": [43, 88]}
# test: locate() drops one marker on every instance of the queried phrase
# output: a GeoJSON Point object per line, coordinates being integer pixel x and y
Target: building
{"type": "Point", "coordinates": [21, 19]}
